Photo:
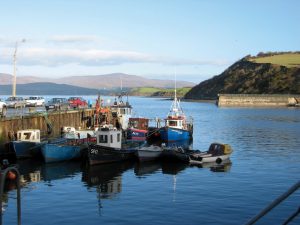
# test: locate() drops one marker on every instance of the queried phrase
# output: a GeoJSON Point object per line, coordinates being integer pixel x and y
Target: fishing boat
{"type": "Point", "coordinates": [177, 127]}
{"type": "Point", "coordinates": [176, 153]}
{"type": "Point", "coordinates": [121, 111]}
{"type": "Point", "coordinates": [28, 144]}
{"type": "Point", "coordinates": [138, 129]}
{"type": "Point", "coordinates": [87, 135]}
{"type": "Point", "coordinates": [109, 147]}
{"type": "Point", "coordinates": [148, 153]}
{"type": "Point", "coordinates": [217, 153]}
{"type": "Point", "coordinates": [63, 149]}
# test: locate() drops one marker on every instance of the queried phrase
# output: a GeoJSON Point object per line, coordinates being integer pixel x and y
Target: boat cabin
{"type": "Point", "coordinates": [109, 137]}
{"type": "Point", "coordinates": [122, 111]}
{"type": "Point", "coordinates": [72, 133]}
{"type": "Point", "coordinates": [176, 122]}
{"type": "Point", "coordinates": [139, 123]}
{"type": "Point", "coordinates": [219, 149]}
{"type": "Point", "coordinates": [31, 135]}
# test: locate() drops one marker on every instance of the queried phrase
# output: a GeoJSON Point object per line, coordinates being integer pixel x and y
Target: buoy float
{"type": "Point", "coordinates": [11, 175]}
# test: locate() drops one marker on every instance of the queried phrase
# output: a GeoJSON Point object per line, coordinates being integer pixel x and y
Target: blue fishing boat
{"type": "Point", "coordinates": [177, 127]}
{"type": "Point", "coordinates": [63, 149]}
{"type": "Point", "coordinates": [27, 145]}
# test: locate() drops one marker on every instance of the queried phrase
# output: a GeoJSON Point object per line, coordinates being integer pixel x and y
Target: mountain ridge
{"type": "Point", "coordinates": [113, 80]}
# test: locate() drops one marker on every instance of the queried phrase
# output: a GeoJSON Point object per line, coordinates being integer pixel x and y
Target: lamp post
{"type": "Point", "coordinates": [14, 83]}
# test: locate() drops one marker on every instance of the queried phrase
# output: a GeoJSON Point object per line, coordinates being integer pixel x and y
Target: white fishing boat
{"type": "Point", "coordinates": [147, 153]}
{"type": "Point", "coordinates": [216, 153]}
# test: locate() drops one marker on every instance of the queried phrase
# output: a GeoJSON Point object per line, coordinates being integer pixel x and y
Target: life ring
{"type": "Point", "coordinates": [218, 160]}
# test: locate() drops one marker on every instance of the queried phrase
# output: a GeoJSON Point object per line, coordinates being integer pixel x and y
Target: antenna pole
{"type": "Point", "coordinates": [121, 83]}
{"type": "Point", "coordinates": [175, 84]}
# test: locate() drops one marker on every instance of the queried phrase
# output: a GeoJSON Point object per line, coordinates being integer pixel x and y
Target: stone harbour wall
{"type": "Point", "coordinates": [257, 100]}
{"type": "Point", "coordinates": [50, 124]}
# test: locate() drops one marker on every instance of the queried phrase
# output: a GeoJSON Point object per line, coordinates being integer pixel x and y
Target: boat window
{"type": "Point", "coordinates": [103, 138]}
{"type": "Point", "coordinates": [37, 135]}
{"type": "Point", "coordinates": [27, 135]}
{"type": "Point", "coordinates": [118, 137]}
{"type": "Point", "coordinates": [111, 138]}
{"type": "Point", "coordinates": [122, 111]}
{"type": "Point", "coordinates": [172, 123]}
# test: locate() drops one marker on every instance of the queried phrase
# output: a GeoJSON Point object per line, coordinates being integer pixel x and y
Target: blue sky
{"type": "Point", "coordinates": [194, 39]}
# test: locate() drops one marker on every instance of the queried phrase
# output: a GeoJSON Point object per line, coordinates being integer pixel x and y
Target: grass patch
{"type": "Point", "coordinates": [150, 91]}
{"type": "Point", "coordinates": [286, 59]}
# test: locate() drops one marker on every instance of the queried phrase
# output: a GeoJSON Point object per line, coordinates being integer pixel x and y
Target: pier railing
{"type": "Point", "coordinates": [3, 177]}
{"type": "Point", "coordinates": [276, 202]}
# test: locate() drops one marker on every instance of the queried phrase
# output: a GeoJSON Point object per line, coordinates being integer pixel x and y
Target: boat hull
{"type": "Point", "coordinates": [210, 159]}
{"type": "Point", "coordinates": [61, 152]}
{"type": "Point", "coordinates": [170, 135]}
{"type": "Point", "coordinates": [26, 149]}
{"type": "Point", "coordinates": [137, 134]}
{"type": "Point", "coordinates": [148, 155]}
{"type": "Point", "coordinates": [179, 155]}
{"type": "Point", "coordinates": [100, 154]}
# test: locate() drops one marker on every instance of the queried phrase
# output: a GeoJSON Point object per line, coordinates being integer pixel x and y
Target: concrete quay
{"type": "Point", "coordinates": [258, 100]}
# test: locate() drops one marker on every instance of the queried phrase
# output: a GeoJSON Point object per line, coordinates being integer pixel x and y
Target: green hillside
{"type": "Point", "coordinates": [270, 73]}
{"type": "Point", "coordinates": [158, 92]}
{"type": "Point", "coordinates": [285, 59]}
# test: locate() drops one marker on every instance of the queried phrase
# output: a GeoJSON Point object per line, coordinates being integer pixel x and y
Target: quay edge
{"type": "Point", "coordinates": [49, 124]}
{"type": "Point", "coordinates": [258, 100]}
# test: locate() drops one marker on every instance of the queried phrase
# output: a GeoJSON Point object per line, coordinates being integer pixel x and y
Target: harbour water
{"type": "Point", "coordinates": [265, 163]}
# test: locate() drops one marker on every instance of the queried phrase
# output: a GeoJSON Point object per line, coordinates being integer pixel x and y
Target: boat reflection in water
{"type": "Point", "coordinates": [32, 171]}
{"type": "Point", "coordinates": [224, 166]}
{"type": "Point", "coordinates": [107, 178]}
{"type": "Point", "coordinates": [143, 169]}
{"type": "Point", "coordinates": [60, 170]}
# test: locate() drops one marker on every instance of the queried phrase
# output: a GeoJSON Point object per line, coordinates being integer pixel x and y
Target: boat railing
{"type": "Point", "coordinates": [276, 202]}
{"type": "Point", "coordinates": [3, 177]}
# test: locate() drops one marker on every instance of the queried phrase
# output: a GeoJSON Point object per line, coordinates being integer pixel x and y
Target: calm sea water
{"type": "Point", "coordinates": [265, 163]}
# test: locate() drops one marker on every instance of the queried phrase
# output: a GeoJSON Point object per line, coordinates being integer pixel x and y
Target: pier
{"type": "Point", "coordinates": [50, 123]}
{"type": "Point", "coordinates": [258, 100]}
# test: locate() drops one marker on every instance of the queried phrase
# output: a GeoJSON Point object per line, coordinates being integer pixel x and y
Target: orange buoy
{"type": "Point", "coordinates": [11, 175]}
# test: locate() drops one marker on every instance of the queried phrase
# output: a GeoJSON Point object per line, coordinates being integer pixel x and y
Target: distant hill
{"type": "Point", "coordinates": [48, 89]}
{"type": "Point", "coordinates": [114, 80]}
{"type": "Point", "coordinates": [266, 73]}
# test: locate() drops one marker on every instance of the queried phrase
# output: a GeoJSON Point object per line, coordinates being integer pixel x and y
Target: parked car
{"type": "Point", "coordinates": [35, 101]}
{"type": "Point", "coordinates": [57, 104]}
{"type": "Point", "coordinates": [77, 102]}
{"type": "Point", "coordinates": [15, 102]}
{"type": "Point", "coordinates": [3, 108]}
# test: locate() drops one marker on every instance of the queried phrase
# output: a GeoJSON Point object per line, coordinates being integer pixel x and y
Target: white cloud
{"type": "Point", "coordinates": [53, 57]}
{"type": "Point", "coordinates": [74, 38]}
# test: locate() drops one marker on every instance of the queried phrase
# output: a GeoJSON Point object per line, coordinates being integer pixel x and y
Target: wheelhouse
{"type": "Point", "coordinates": [31, 135]}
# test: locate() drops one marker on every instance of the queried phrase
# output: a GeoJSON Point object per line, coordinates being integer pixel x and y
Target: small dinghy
{"type": "Point", "coordinates": [217, 153]}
